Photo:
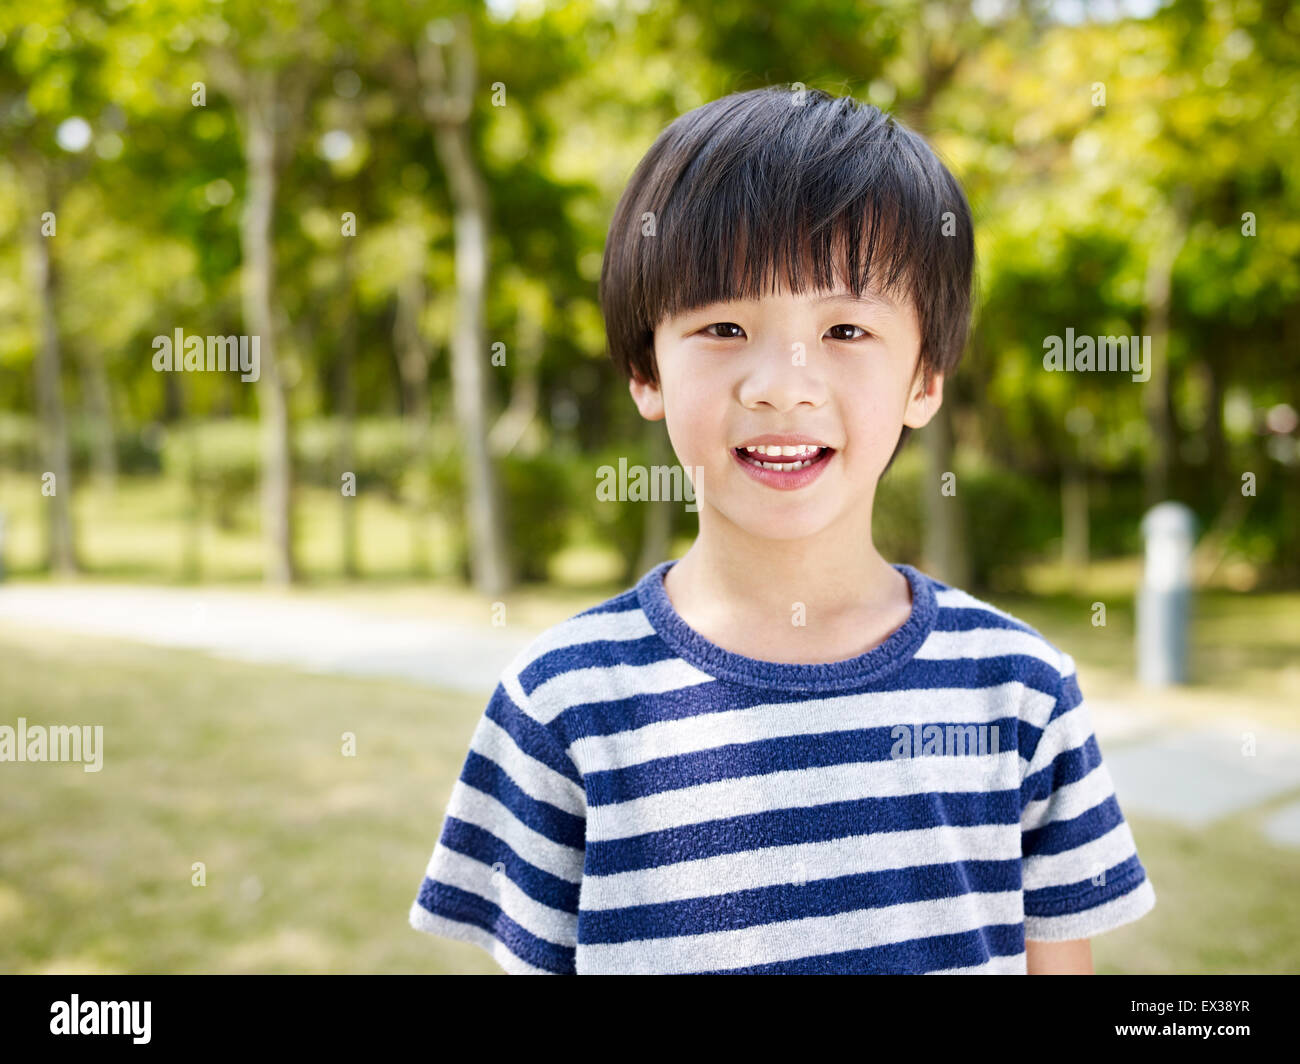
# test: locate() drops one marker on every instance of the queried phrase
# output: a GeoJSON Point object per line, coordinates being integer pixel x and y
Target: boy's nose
{"type": "Point", "coordinates": [784, 375]}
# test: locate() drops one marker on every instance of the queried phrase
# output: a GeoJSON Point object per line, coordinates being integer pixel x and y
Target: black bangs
{"type": "Point", "coordinates": [776, 189]}
{"type": "Point", "coordinates": [796, 206]}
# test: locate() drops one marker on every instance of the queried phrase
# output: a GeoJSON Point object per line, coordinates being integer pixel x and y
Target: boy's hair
{"type": "Point", "coordinates": [803, 186]}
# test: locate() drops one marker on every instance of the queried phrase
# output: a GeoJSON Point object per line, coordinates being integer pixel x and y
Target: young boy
{"type": "Point", "coordinates": [782, 753]}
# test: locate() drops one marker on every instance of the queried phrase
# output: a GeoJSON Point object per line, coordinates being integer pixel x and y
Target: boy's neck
{"type": "Point", "coordinates": [746, 596]}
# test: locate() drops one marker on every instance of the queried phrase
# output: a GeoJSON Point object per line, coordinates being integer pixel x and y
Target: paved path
{"type": "Point", "coordinates": [250, 627]}
{"type": "Point", "coordinates": [1189, 776]}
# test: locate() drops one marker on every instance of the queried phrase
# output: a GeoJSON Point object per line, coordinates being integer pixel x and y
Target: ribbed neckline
{"type": "Point", "coordinates": [707, 656]}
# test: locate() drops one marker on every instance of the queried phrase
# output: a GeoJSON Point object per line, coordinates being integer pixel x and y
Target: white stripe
{"type": "Point", "coordinates": [510, 683]}
{"type": "Point", "coordinates": [798, 788]}
{"type": "Point", "coordinates": [1039, 709]}
{"type": "Point", "coordinates": [1122, 910]}
{"type": "Point", "coordinates": [456, 870]}
{"type": "Point", "coordinates": [610, 684]}
{"type": "Point", "coordinates": [985, 643]}
{"type": "Point", "coordinates": [1067, 666]}
{"type": "Point", "coordinates": [423, 920]}
{"type": "Point", "coordinates": [773, 720]}
{"type": "Point", "coordinates": [955, 599]}
{"type": "Point", "coordinates": [618, 626]}
{"type": "Point", "coordinates": [482, 810]}
{"type": "Point", "coordinates": [1067, 802]}
{"type": "Point", "coordinates": [796, 939]}
{"type": "Point", "coordinates": [533, 777]}
{"type": "Point", "coordinates": [1069, 731]}
{"type": "Point", "coordinates": [1083, 862]}
{"type": "Point", "coordinates": [802, 862]}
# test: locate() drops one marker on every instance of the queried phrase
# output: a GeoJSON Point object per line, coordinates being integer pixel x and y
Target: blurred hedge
{"type": "Point", "coordinates": [1010, 517]}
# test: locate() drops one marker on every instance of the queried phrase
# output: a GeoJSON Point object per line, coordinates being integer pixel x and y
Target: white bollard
{"type": "Point", "coordinates": [1164, 600]}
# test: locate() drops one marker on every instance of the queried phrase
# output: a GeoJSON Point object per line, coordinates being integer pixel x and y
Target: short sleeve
{"type": "Point", "coordinates": [1081, 873]}
{"type": "Point", "coordinates": [506, 871]}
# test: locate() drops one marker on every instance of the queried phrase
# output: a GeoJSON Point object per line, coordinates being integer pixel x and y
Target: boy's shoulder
{"type": "Point", "coordinates": [581, 655]}
{"type": "Point", "coordinates": [967, 625]}
{"type": "Point", "coordinates": [617, 619]}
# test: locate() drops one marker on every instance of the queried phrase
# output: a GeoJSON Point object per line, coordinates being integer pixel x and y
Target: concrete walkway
{"type": "Point", "coordinates": [250, 627]}
{"type": "Point", "coordinates": [1190, 777]}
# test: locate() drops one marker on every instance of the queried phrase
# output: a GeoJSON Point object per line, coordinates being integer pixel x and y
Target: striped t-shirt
{"type": "Point", "coordinates": [636, 799]}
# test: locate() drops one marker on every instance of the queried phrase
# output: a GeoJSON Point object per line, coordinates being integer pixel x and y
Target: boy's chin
{"type": "Point", "coordinates": [768, 523]}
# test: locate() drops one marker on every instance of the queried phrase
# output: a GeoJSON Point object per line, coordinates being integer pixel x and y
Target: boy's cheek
{"type": "Point", "coordinates": [689, 445]}
{"type": "Point", "coordinates": [697, 409]}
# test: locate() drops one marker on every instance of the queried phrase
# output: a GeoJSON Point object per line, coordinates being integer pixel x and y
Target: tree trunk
{"type": "Point", "coordinates": [60, 552]}
{"type": "Point", "coordinates": [346, 403]}
{"type": "Point", "coordinates": [511, 429]}
{"type": "Point", "coordinates": [489, 562]}
{"type": "Point", "coordinates": [256, 291]}
{"type": "Point", "coordinates": [1158, 298]}
{"type": "Point", "coordinates": [1074, 517]}
{"type": "Point", "coordinates": [413, 367]}
{"type": "Point", "coordinates": [1216, 460]}
{"type": "Point", "coordinates": [99, 415]}
{"type": "Point", "coordinates": [449, 110]}
{"type": "Point", "coordinates": [413, 353]}
{"type": "Point", "coordinates": [945, 549]}
{"type": "Point", "coordinates": [192, 533]}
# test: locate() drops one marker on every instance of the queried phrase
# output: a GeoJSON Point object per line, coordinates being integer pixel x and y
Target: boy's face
{"type": "Point", "coordinates": [822, 366]}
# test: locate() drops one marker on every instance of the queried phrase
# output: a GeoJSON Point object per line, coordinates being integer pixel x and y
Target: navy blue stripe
{"type": "Point", "coordinates": [1069, 766]}
{"type": "Point", "coordinates": [540, 885]}
{"type": "Point", "coordinates": [532, 737]}
{"type": "Point", "coordinates": [603, 718]}
{"type": "Point", "coordinates": [559, 825]}
{"type": "Point", "coordinates": [603, 652]}
{"type": "Point", "coordinates": [1062, 835]}
{"type": "Point", "coordinates": [1071, 898]}
{"type": "Point", "coordinates": [443, 900]}
{"type": "Point", "coordinates": [786, 753]}
{"type": "Point", "coordinates": [623, 602]}
{"type": "Point", "coordinates": [788, 827]}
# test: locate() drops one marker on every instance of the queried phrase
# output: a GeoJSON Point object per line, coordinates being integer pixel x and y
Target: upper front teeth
{"type": "Point", "coordinates": [802, 451]}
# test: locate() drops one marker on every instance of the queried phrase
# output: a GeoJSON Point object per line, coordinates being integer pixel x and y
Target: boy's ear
{"type": "Point", "coordinates": [924, 402]}
{"type": "Point", "coordinates": [649, 400]}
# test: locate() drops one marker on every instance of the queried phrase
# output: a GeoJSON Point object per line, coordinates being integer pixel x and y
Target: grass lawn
{"type": "Point", "coordinates": [312, 858]}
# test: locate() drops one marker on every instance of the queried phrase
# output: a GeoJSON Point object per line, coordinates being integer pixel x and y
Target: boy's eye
{"type": "Point", "coordinates": [729, 330]}
{"type": "Point", "coordinates": [859, 328]}
{"type": "Point", "coordinates": [724, 325]}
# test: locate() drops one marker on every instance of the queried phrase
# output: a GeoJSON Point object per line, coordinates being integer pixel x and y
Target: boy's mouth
{"type": "Point", "coordinates": [783, 458]}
